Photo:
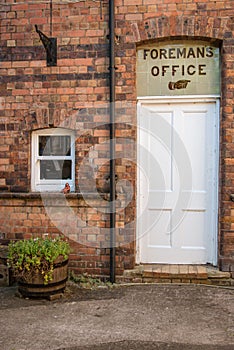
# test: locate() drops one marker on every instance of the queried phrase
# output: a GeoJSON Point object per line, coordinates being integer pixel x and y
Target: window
{"type": "Point", "coordinates": [53, 159]}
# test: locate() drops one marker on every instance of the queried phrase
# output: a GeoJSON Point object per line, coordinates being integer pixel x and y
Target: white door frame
{"type": "Point", "coordinates": [183, 99]}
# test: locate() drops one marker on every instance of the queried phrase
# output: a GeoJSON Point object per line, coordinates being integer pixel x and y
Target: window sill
{"type": "Point", "coordinates": [50, 195]}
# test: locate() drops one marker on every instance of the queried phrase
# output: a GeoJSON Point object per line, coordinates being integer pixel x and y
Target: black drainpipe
{"type": "Point", "coordinates": [112, 137]}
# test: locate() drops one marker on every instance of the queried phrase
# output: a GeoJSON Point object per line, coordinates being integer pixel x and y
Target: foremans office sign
{"type": "Point", "coordinates": [178, 68]}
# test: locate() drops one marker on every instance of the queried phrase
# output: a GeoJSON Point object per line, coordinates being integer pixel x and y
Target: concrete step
{"type": "Point", "coordinates": [163, 273]}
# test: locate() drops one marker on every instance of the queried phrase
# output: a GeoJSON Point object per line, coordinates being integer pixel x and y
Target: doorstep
{"type": "Point", "coordinates": [164, 273]}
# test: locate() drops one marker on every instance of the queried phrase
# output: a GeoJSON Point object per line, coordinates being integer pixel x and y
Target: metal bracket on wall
{"type": "Point", "coordinates": [50, 45]}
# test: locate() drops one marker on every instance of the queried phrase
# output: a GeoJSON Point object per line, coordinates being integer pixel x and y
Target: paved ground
{"type": "Point", "coordinates": [162, 317]}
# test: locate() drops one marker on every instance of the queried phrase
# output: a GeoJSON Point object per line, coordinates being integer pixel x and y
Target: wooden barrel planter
{"type": "Point", "coordinates": [4, 270]}
{"type": "Point", "coordinates": [35, 287]}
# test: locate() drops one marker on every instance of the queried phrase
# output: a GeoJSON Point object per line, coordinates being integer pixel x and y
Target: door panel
{"type": "Point", "coordinates": [177, 202]}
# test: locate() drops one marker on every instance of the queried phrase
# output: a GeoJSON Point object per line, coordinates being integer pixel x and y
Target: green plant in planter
{"type": "Point", "coordinates": [36, 256]}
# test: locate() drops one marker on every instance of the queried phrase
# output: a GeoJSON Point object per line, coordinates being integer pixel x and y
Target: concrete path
{"type": "Point", "coordinates": [172, 317]}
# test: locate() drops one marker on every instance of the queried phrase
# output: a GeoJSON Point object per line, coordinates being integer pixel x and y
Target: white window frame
{"type": "Point", "coordinates": [47, 185]}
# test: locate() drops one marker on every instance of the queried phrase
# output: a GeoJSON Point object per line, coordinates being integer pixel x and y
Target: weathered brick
{"type": "Point", "coordinates": [35, 96]}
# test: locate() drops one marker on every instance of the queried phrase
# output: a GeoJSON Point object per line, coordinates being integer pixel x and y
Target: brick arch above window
{"type": "Point", "coordinates": [45, 117]}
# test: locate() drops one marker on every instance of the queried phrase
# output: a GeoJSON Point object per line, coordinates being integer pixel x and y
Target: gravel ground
{"type": "Point", "coordinates": [172, 317]}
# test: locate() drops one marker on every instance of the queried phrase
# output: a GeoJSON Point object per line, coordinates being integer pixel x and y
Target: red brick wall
{"type": "Point", "coordinates": [75, 93]}
{"type": "Point", "coordinates": [84, 222]}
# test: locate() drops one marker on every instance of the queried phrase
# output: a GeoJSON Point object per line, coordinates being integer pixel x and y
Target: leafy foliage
{"type": "Point", "coordinates": [87, 281]}
{"type": "Point", "coordinates": [36, 256]}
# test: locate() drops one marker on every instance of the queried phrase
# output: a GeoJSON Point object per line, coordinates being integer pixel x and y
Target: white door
{"type": "Point", "coordinates": [177, 181]}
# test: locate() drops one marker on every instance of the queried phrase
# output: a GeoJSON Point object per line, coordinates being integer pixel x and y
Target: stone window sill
{"type": "Point", "coordinates": [49, 195]}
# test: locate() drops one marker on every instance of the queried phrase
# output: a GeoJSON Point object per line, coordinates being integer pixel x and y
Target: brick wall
{"type": "Point", "coordinates": [75, 94]}
{"type": "Point", "coordinates": [84, 222]}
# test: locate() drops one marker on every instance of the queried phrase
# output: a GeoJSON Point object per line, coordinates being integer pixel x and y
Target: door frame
{"type": "Point", "coordinates": [183, 99]}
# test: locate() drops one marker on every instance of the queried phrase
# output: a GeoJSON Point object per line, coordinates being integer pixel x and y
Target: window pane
{"type": "Point", "coordinates": [54, 145]}
{"type": "Point", "coordinates": [55, 169]}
